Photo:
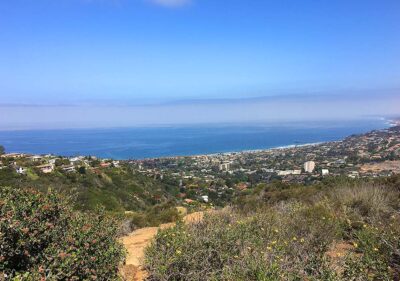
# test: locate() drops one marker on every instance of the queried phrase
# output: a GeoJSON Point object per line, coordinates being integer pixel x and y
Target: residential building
{"type": "Point", "coordinates": [309, 166]}
{"type": "Point", "coordinates": [225, 166]}
{"type": "Point", "coordinates": [325, 172]}
{"type": "Point", "coordinates": [47, 168]}
{"type": "Point", "coordinates": [20, 170]}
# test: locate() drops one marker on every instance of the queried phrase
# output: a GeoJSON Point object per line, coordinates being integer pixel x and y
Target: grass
{"type": "Point", "coordinates": [342, 233]}
{"type": "Point", "coordinates": [31, 175]}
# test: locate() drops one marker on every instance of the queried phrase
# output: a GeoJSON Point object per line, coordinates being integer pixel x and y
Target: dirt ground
{"type": "Point", "coordinates": [137, 241]}
{"type": "Point", "coordinates": [383, 166]}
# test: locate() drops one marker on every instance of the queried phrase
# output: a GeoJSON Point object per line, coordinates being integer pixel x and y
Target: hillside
{"type": "Point", "coordinates": [116, 189]}
{"type": "Point", "coordinates": [344, 230]}
{"type": "Point", "coordinates": [341, 225]}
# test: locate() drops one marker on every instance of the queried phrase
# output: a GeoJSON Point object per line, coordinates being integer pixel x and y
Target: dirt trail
{"type": "Point", "coordinates": [137, 241]}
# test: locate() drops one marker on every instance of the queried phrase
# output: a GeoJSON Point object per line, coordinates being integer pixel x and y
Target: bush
{"type": "Point", "coordinates": [367, 200]}
{"type": "Point", "coordinates": [337, 233]}
{"type": "Point", "coordinates": [283, 243]}
{"type": "Point", "coordinates": [162, 213]}
{"type": "Point", "coordinates": [42, 238]}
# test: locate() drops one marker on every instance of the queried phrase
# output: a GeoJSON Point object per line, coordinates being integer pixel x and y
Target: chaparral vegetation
{"type": "Point", "coordinates": [347, 230]}
{"type": "Point", "coordinates": [42, 238]}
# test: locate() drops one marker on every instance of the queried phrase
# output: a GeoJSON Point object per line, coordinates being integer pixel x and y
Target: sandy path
{"type": "Point", "coordinates": [137, 241]}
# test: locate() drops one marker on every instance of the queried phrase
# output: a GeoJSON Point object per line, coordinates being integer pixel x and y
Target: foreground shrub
{"type": "Point", "coordinates": [340, 233]}
{"type": "Point", "coordinates": [42, 238]}
{"type": "Point", "coordinates": [287, 242]}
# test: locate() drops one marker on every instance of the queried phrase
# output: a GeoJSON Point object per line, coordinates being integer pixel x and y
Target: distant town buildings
{"type": "Point", "coordinates": [13, 155]}
{"type": "Point", "coordinates": [309, 166]}
{"type": "Point", "coordinates": [20, 170]}
{"type": "Point", "coordinates": [225, 166]}
{"type": "Point", "coordinates": [68, 168]}
{"type": "Point", "coordinates": [46, 169]}
{"type": "Point", "coordinates": [289, 172]}
{"type": "Point", "coordinates": [204, 178]}
{"type": "Point", "coordinates": [324, 172]}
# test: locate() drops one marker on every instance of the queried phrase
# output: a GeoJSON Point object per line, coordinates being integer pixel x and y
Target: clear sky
{"type": "Point", "coordinates": [134, 53]}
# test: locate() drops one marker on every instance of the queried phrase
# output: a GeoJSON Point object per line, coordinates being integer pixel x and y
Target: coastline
{"type": "Point", "coordinates": [145, 144]}
{"type": "Point", "coordinates": [246, 150]}
{"type": "Point", "coordinates": [390, 122]}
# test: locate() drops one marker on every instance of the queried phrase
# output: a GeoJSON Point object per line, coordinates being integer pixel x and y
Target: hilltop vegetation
{"type": "Point", "coordinates": [115, 189]}
{"type": "Point", "coordinates": [148, 200]}
{"type": "Point", "coordinates": [344, 230]}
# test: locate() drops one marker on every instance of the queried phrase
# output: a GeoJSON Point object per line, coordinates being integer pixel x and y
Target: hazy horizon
{"type": "Point", "coordinates": [274, 109]}
{"type": "Point", "coordinates": [121, 63]}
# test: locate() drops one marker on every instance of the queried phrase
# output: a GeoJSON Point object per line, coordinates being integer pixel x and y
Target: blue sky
{"type": "Point", "coordinates": [135, 52]}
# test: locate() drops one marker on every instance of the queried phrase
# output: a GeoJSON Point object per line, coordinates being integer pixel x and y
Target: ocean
{"type": "Point", "coordinates": [152, 142]}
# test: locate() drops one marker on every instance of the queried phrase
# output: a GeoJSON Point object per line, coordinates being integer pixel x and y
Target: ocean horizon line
{"type": "Point", "coordinates": [256, 123]}
{"type": "Point", "coordinates": [180, 141]}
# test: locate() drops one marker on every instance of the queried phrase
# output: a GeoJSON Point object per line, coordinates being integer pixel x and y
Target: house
{"type": "Point", "coordinates": [205, 198]}
{"type": "Point", "coordinates": [69, 168]}
{"type": "Point", "coordinates": [20, 170]}
{"type": "Point", "coordinates": [353, 174]}
{"type": "Point", "coordinates": [325, 172]}
{"type": "Point", "coordinates": [242, 186]}
{"type": "Point", "coordinates": [105, 165]}
{"type": "Point", "coordinates": [13, 155]}
{"type": "Point", "coordinates": [76, 160]}
{"type": "Point", "coordinates": [188, 201]}
{"type": "Point", "coordinates": [47, 168]}
{"type": "Point", "coordinates": [268, 170]}
{"type": "Point", "coordinates": [225, 166]}
{"type": "Point", "coordinates": [36, 158]}
{"type": "Point", "coordinates": [289, 172]}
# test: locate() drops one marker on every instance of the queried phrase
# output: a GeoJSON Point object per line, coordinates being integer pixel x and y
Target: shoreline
{"type": "Point", "coordinates": [238, 151]}
{"type": "Point", "coordinates": [388, 122]}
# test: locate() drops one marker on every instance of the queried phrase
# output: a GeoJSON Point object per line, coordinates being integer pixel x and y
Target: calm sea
{"type": "Point", "coordinates": [149, 142]}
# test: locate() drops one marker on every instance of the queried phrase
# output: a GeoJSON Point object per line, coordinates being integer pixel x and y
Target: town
{"type": "Point", "coordinates": [215, 178]}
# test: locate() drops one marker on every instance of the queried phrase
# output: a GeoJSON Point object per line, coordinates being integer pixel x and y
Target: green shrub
{"type": "Point", "coordinates": [338, 233]}
{"type": "Point", "coordinates": [42, 238]}
{"type": "Point", "coordinates": [285, 243]}
{"type": "Point", "coordinates": [161, 213]}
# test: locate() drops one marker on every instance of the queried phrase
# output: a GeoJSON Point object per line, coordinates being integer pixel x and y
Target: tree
{"type": "Point", "coordinates": [61, 162]}
{"type": "Point", "coordinates": [82, 170]}
{"type": "Point", "coordinates": [2, 150]}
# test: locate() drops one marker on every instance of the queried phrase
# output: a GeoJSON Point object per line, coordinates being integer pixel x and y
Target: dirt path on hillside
{"type": "Point", "coordinates": [137, 241]}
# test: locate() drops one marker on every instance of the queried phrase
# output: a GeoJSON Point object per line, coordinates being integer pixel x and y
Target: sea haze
{"type": "Point", "coordinates": [151, 142]}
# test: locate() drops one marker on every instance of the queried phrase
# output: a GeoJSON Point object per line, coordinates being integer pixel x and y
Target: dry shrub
{"type": "Point", "coordinates": [367, 200]}
{"type": "Point", "coordinates": [288, 240]}
{"type": "Point", "coordinates": [283, 242]}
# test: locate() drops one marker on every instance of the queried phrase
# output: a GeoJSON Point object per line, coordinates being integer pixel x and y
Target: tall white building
{"type": "Point", "coordinates": [309, 166]}
{"type": "Point", "coordinates": [225, 166]}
